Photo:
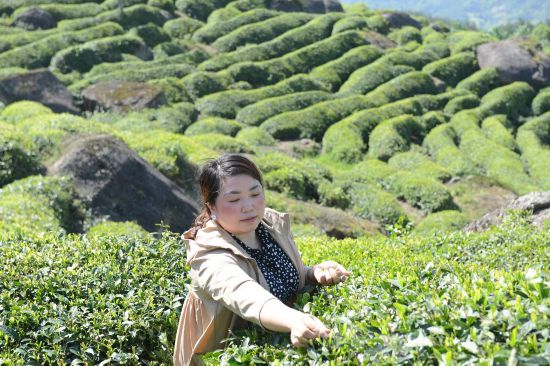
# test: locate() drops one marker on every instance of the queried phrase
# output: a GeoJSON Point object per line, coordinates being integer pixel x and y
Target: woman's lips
{"type": "Point", "coordinates": [250, 219]}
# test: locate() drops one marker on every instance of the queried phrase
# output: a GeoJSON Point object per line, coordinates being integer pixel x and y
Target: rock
{"type": "Point", "coordinates": [515, 61]}
{"type": "Point", "coordinates": [300, 148]}
{"type": "Point", "coordinates": [122, 96]}
{"type": "Point", "coordinates": [308, 6]}
{"type": "Point", "coordinates": [35, 18]}
{"type": "Point", "coordinates": [537, 202]}
{"type": "Point", "coordinates": [399, 20]}
{"type": "Point", "coordinates": [377, 39]}
{"type": "Point", "coordinates": [440, 85]}
{"type": "Point", "coordinates": [40, 86]}
{"type": "Point", "coordinates": [119, 185]}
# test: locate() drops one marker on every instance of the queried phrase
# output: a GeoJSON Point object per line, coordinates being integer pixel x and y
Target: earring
{"type": "Point", "coordinates": [213, 217]}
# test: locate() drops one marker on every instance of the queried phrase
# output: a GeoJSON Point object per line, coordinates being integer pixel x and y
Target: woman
{"type": "Point", "coordinates": [244, 265]}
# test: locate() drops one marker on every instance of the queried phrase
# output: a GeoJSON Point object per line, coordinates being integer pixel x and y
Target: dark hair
{"type": "Point", "coordinates": [211, 176]}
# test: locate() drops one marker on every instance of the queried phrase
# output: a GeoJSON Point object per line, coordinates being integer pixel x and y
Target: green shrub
{"type": "Point", "coordinates": [175, 118]}
{"type": "Point", "coordinates": [17, 210]}
{"type": "Point", "coordinates": [316, 30]}
{"type": "Point", "coordinates": [18, 158]}
{"type": "Point", "coordinates": [513, 100]}
{"type": "Point", "coordinates": [223, 14]}
{"type": "Point", "coordinates": [441, 145]}
{"type": "Point", "coordinates": [392, 136]}
{"type": "Point", "coordinates": [151, 34]}
{"type": "Point", "coordinates": [333, 195]}
{"type": "Point", "coordinates": [77, 298]}
{"type": "Point", "coordinates": [182, 27]}
{"type": "Point", "coordinates": [466, 120]}
{"type": "Point", "coordinates": [405, 35]}
{"type": "Point", "coordinates": [255, 136]}
{"type": "Point", "coordinates": [65, 11]}
{"type": "Point", "coordinates": [440, 48]}
{"type": "Point", "coordinates": [132, 16]}
{"type": "Point", "coordinates": [298, 61]}
{"type": "Point", "coordinates": [431, 119]}
{"type": "Point", "coordinates": [173, 89]}
{"type": "Point", "coordinates": [542, 33]}
{"type": "Point", "coordinates": [352, 22]}
{"type": "Point", "coordinates": [261, 31]}
{"type": "Point", "coordinates": [442, 221]}
{"type": "Point", "coordinates": [467, 40]}
{"type": "Point", "coordinates": [214, 30]}
{"type": "Point", "coordinates": [110, 67]}
{"type": "Point", "coordinates": [533, 139]}
{"type": "Point", "coordinates": [460, 103]}
{"type": "Point", "coordinates": [18, 111]}
{"type": "Point", "coordinates": [425, 193]}
{"type": "Point", "coordinates": [496, 162]}
{"type": "Point", "coordinates": [420, 164]}
{"type": "Point", "coordinates": [11, 71]}
{"type": "Point", "coordinates": [83, 57]}
{"type": "Point", "coordinates": [345, 141]}
{"type": "Point", "coordinates": [403, 86]}
{"type": "Point", "coordinates": [255, 114]}
{"type": "Point", "coordinates": [372, 203]}
{"type": "Point", "coordinates": [199, 84]}
{"type": "Point", "coordinates": [369, 77]}
{"type": "Point", "coordinates": [313, 121]}
{"type": "Point", "coordinates": [227, 103]}
{"type": "Point", "coordinates": [453, 69]}
{"type": "Point", "coordinates": [39, 53]}
{"type": "Point", "coordinates": [144, 74]}
{"type": "Point", "coordinates": [127, 229]}
{"type": "Point", "coordinates": [58, 192]}
{"type": "Point", "coordinates": [214, 125]}
{"type": "Point", "coordinates": [378, 23]}
{"type": "Point", "coordinates": [481, 81]}
{"type": "Point", "coordinates": [223, 143]}
{"type": "Point", "coordinates": [199, 9]}
{"type": "Point", "coordinates": [299, 179]}
{"type": "Point", "coordinates": [417, 59]}
{"type": "Point", "coordinates": [496, 129]}
{"type": "Point", "coordinates": [22, 37]}
{"type": "Point", "coordinates": [541, 103]}
{"type": "Point", "coordinates": [334, 73]}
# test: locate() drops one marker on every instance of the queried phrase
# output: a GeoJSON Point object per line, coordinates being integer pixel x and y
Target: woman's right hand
{"type": "Point", "coordinates": [307, 327]}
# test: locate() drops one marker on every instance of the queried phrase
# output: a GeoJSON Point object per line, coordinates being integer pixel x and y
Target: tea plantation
{"type": "Point", "coordinates": [382, 135]}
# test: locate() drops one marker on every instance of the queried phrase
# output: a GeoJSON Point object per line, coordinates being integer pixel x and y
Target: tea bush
{"type": "Point", "coordinates": [227, 103]}
{"type": "Point", "coordinates": [442, 221]}
{"type": "Point", "coordinates": [481, 81]}
{"type": "Point", "coordinates": [467, 40]}
{"type": "Point", "coordinates": [255, 114]}
{"type": "Point", "coordinates": [334, 73]}
{"type": "Point", "coordinates": [420, 164]}
{"type": "Point", "coordinates": [261, 31]}
{"type": "Point", "coordinates": [513, 100]}
{"type": "Point", "coordinates": [369, 77]}
{"type": "Point", "coordinates": [541, 103]}
{"type": "Point", "coordinates": [497, 129]}
{"type": "Point", "coordinates": [454, 68]}
{"type": "Point", "coordinates": [316, 30]}
{"type": "Point", "coordinates": [532, 139]}
{"type": "Point", "coordinates": [392, 136]}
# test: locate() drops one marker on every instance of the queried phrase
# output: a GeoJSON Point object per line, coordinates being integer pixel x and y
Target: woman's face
{"type": "Point", "coordinates": [240, 204]}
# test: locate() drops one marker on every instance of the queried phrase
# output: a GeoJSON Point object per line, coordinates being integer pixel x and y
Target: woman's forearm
{"type": "Point", "coordinates": [278, 317]}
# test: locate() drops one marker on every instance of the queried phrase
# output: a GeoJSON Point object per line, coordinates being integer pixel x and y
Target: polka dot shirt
{"type": "Point", "coordinates": [276, 266]}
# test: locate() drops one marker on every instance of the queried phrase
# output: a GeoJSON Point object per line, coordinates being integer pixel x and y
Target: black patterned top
{"type": "Point", "coordinates": [276, 266]}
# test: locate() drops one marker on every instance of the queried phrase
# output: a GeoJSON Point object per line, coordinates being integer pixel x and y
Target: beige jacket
{"type": "Point", "coordinates": [227, 287]}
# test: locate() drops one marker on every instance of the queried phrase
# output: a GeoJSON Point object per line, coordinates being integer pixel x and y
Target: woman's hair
{"type": "Point", "coordinates": [211, 176]}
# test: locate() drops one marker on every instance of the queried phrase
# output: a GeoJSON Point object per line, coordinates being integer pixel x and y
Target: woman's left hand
{"type": "Point", "coordinates": [329, 273]}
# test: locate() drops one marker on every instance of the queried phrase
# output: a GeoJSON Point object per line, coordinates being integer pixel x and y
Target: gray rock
{"type": "Point", "coordinates": [308, 6]}
{"type": "Point", "coordinates": [399, 20]}
{"type": "Point", "coordinates": [122, 96]}
{"type": "Point", "coordinates": [38, 85]}
{"type": "Point", "coordinates": [536, 202]}
{"type": "Point", "coordinates": [515, 62]}
{"type": "Point", "coordinates": [119, 185]}
{"type": "Point", "coordinates": [35, 18]}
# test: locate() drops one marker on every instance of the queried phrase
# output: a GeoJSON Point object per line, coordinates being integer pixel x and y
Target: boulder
{"type": "Point", "coordinates": [122, 96]}
{"type": "Point", "coordinates": [399, 20]}
{"type": "Point", "coordinates": [308, 6]}
{"type": "Point", "coordinates": [515, 61]}
{"type": "Point", "coordinates": [38, 85]}
{"type": "Point", "coordinates": [35, 18]}
{"type": "Point", "coordinates": [117, 184]}
{"type": "Point", "coordinates": [536, 202]}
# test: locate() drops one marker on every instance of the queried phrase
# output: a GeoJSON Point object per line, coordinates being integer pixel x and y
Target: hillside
{"type": "Point", "coordinates": [382, 134]}
{"type": "Point", "coordinates": [481, 13]}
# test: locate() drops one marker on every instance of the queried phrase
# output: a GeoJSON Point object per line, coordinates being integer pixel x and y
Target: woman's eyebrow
{"type": "Point", "coordinates": [237, 192]}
